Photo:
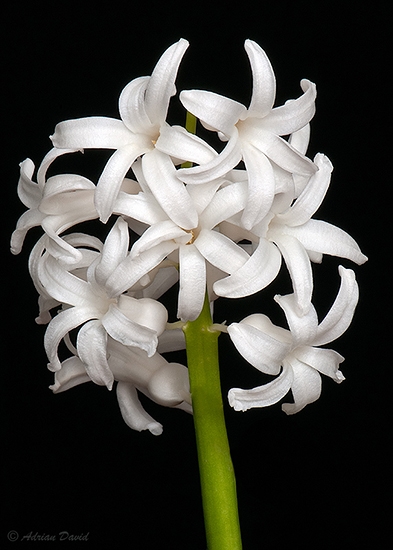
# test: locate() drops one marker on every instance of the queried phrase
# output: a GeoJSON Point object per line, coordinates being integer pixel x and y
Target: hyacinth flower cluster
{"type": "Point", "coordinates": [216, 221]}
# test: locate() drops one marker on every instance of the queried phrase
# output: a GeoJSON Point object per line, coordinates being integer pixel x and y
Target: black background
{"type": "Point", "coordinates": [319, 479]}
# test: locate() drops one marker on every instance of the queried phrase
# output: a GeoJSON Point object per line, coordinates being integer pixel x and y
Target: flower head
{"type": "Point", "coordinates": [294, 355]}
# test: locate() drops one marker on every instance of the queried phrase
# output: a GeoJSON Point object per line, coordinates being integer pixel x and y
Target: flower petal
{"type": "Point", "coordinates": [303, 326]}
{"type": "Point", "coordinates": [323, 237]}
{"type": "Point", "coordinates": [312, 196]}
{"type": "Point", "coordinates": [161, 85]}
{"type": "Point", "coordinates": [146, 312]}
{"type": "Point", "coordinates": [341, 313]}
{"type": "Point", "coordinates": [112, 177]}
{"type": "Point", "coordinates": [178, 143]}
{"type": "Point", "coordinates": [258, 272]}
{"type": "Point", "coordinates": [170, 192]}
{"type": "Point", "coordinates": [220, 251]}
{"type": "Point", "coordinates": [262, 396]}
{"type": "Point", "coordinates": [128, 332]}
{"type": "Point", "coordinates": [114, 251]}
{"type": "Point", "coordinates": [326, 361]}
{"type": "Point", "coordinates": [261, 349]}
{"type": "Point", "coordinates": [295, 114]}
{"type": "Point", "coordinates": [158, 233]}
{"type": "Point", "coordinates": [59, 326]}
{"type": "Point", "coordinates": [29, 219]}
{"type": "Point", "coordinates": [72, 373]}
{"type": "Point", "coordinates": [92, 350]}
{"type": "Point", "coordinates": [192, 277]}
{"type": "Point", "coordinates": [28, 191]}
{"type": "Point", "coordinates": [91, 132]}
{"type": "Point", "coordinates": [264, 82]}
{"type": "Point", "coordinates": [213, 110]}
{"type": "Point", "coordinates": [224, 204]}
{"type": "Point", "coordinates": [261, 186]}
{"type": "Point", "coordinates": [306, 387]}
{"type": "Point", "coordinates": [131, 270]}
{"type": "Point", "coordinates": [132, 107]}
{"type": "Point", "coordinates": [299, 267]}
{"type": "Point", "coordinates": [229, 157]}
{"type": "Point", "coordinates": [133, 413]}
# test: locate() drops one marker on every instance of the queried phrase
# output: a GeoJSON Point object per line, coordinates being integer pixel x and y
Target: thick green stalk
{"type": "Point", "coordinates": [215, 464]}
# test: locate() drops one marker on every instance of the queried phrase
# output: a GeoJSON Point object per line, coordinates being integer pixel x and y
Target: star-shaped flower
{"type": "Point", "coordinates": [143, 106]}
{"type": "Point", "coordinates": [254, 134]}
{"type": "Point", "coordinates": [87, 304]}
{"type": "Point", "coordinates": [294, 355]}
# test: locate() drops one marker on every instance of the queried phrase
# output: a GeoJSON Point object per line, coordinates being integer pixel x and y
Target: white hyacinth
{"type": "Point", "coordinates": [208, 225]}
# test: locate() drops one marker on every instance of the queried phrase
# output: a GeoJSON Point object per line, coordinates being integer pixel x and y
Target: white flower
{"type": "Point", "coordinates": [164, 383]}
{"type": "Point", "coordinates": [268, 348]}
{"type": "Point", "coordinates": [254, 134]}
{"type": "Point", "coordinates": [299, 239]}
{"type": "Point", "coordinates": [143, 106]}
{"type": "Point", "coordinates": [128, 320]}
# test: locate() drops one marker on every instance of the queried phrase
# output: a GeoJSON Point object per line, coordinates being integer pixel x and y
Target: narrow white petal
{"type": "Point", "coordinates": [91, 346]}
{"type": "Point", "coordinates": [300, 139]}
{"type": "Point", "coordinates": [303, 326]}
{"type": "Point", "coordinates": [341, 313]}
{"type": "Point", "coordinates": [299, 267]}
{"type": "Point", "coordinates": [131, 270]}
{"type": "Point", "coordinates": [220, 251]}
{"type": "Point", "coordinates": [178, 143]}
{"type": "Point", "coordinates": [91, 132]}
{"type": "Point", "coordinates": [51, 156]}
{"type": "Point", "coordinates": [261, 186]}
{"type": "Point", "coordinates": [71, 374]}
{"type": "Point", "coordinates": [60, 326]}
{"type": "Point", "coordinates": [326, 361]}
{"type": "Point", "coordinates": [128, 332]}
{"type": "Point", "coordinates": [192, 278]}
{"type": "Point", "coordinates": [114, 251]}
{"type": "Point", "coordinates": [28, 220]}
{"type": "Point", "coordinates": [229, 157]}
{"type": "Point", "coordinates": [170, 192]}
{"type": "Point", "coordinates": [146, 312]}
{"type": "Point", "coordinates": [295, 114]}
{"type": "Point", "coordinates": [161, 85]}
{"type": "Point", "coordinates": [261, 350]}
{"type": "Point", "coordinates": [112, 177]}
{"type": "Point", "coordinates": [216, 111]}
{"type": "Point", "coordinates": [312, 196]}
{"type": "Point", "coordinates": [64, 286]}
{"type": "Point", "coordinates": [28, 191]}
{"type": "Point", "coordinates": [156, 234]}
{"type": "Point", "coordinates": [258, 272]}
{"type": "Point", "coordinates": [142, 207]}
{"type": "Point", "coordinates": [306, 387]}
{"type": "Point", "coordinates": [133, 413]}
{"type": "Point", "coordinates": [132, 107]}
{"type": "Point", "coordinates": [262, 396]}
{"type": "Point", "coordinates": [277, 149]}
{"type": "Point", "coordinates": [224, 204]}
{"type": "Point", "coordinates": [323, 237]}
{"type": "Point", "coordinates": [264, 82]}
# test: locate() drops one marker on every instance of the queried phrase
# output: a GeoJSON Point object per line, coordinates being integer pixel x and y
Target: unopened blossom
{"type": "Point", "coordinates": [254, 135]}
{"type": "Point", "coordinates": [164, 383]}
{"type": "Point", "coordinates": [87, 304]}
{"type": "Point", "coordinates": [143, 106]}
{"type": "Point", "coordinates": [293, 355]}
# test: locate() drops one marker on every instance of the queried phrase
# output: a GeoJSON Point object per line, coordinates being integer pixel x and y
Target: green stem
{"type": "Point", "coordinates": [216, 470]}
